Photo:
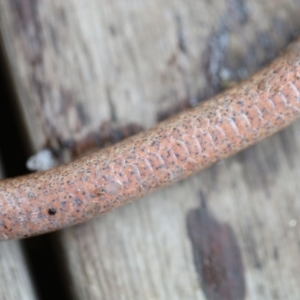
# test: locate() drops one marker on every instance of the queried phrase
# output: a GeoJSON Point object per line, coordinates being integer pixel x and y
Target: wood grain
{"type": "Point", "coordinates": [173, 150]}
{"type": "Point", "coordinates": [15, 282]}
{"type": "Point", "coordinates": [132, 62]}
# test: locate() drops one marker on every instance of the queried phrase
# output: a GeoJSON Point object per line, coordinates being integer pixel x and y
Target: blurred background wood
{"type": "Point", "coordinates": [15, 280]}
{"type": "Point", "coordinates": [230, 232]}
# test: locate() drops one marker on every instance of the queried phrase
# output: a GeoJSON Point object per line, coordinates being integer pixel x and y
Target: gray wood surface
{"type": "Point", "coordinates": [15, 280]}
{"type": "Point", "coordinates": [230, 232]}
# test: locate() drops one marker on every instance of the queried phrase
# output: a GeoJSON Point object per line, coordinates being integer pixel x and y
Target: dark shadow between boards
{"type": "Point", "coordinates": [41, 253]}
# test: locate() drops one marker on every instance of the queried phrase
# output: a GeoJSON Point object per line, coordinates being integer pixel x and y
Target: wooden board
{"type": "Point", "coordinates": [230, 232]}
{"type": "Point", "coordinates": [15, 280]}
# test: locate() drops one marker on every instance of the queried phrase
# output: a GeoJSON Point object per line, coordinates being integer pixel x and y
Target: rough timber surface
{"type": "Point", "coordinates": [15, 281]}
{"type": "Point", "coordinates": [230, 232]}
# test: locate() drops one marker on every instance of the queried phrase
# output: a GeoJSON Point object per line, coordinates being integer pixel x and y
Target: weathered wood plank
{"type": "Point", "coordinates": [15, 281]}
{"type": "Point", "coordinates": [230, 232]}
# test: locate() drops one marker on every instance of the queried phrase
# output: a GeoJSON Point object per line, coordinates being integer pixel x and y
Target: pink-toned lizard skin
{"type": "Point", "coordinates": [174, 149]}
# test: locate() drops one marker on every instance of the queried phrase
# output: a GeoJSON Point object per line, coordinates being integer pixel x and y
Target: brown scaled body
{"type": "Point", "coordinates": [174, 149]}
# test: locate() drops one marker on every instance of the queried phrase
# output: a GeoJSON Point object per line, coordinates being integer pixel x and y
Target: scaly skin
{"type": "Point", "coordinates": [174, 149]}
